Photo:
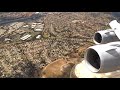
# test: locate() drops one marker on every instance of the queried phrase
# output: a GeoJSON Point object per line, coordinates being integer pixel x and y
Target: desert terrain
{"type": "Point", "coordinates": [48, 44]}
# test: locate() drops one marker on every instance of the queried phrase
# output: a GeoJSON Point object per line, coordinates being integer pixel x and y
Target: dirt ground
{"type": "Point", "coordinates": [65, 35]}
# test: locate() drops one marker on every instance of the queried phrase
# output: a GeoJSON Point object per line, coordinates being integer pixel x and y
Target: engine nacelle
{"type": "Point", "coordinates": [109, 35]}
{"type": "Point", "coordinates": [105, 36]}
{"type": "Point", "coordinates": [103, 58]}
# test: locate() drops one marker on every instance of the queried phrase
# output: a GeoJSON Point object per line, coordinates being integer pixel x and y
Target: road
{"type": "Point", "coordinates": [33, 17]}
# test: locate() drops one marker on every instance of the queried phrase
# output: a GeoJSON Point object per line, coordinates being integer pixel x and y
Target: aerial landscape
{"type": "Point", "coordinates": [47, 44]}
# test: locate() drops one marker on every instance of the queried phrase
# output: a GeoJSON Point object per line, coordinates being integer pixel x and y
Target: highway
{"type": "Point", "coordinates": [33, 17]}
